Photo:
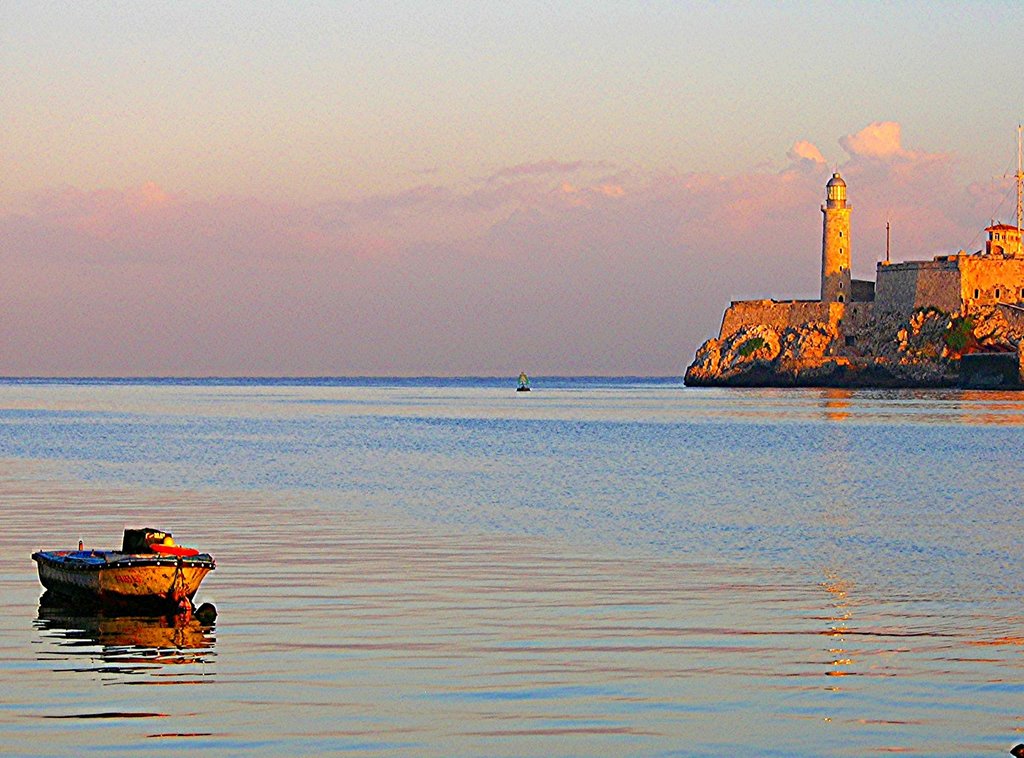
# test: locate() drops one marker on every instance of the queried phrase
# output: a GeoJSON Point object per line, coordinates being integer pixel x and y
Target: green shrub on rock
{"type": "Point", "coordinates": [960, 334]}
{"type": "Point", "coordinates": [751, 346]}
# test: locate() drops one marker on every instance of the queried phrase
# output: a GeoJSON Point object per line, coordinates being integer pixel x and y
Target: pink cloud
{"type": "Point", "coordinates": [882, 140]}
{"type": "Point", "coordinates": [803, 150]}
{"type": "Point", "coordinates": [558, 267]}
{"type": "Point", "coordinates": [544, 168]}
{"type": "Point", "coordinates": [878, 140]}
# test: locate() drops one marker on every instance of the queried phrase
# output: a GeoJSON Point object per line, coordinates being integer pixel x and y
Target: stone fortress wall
{"type": "Point", "coordinates": [955, 284]}
{"type": "Point", "coordinates": [1014, 315]}
{"type": "Point", "coordinates": [778, 314]}
{"type": "Point", "coordinates": [862, 290]}
{"type": "Point", "coordinates": [881, 333]}
{"type": "Point", "coordinates": [990, 280]}
{"type": "Point", "coordinates": [900, 288]}
{"type": "Point", "coordinates": [856, 318]}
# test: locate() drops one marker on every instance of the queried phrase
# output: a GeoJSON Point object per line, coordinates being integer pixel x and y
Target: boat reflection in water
{"type": "Point", "coordinates": [94, 640]}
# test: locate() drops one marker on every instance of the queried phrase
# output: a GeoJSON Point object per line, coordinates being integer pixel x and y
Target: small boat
{"type": "Point", "coordinates": [148, 572]}
{"type": "Point", "coordinates": [524, 383]}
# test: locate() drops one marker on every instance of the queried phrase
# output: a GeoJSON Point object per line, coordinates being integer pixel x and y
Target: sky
{"type": "Point", "coordinates": [475, 188]}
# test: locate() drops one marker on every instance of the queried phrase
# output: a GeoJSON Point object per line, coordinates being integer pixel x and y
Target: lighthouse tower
{"type": "Point", "coordinates": [835, 243]}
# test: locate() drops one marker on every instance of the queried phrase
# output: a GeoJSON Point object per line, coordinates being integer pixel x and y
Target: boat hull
{"type": "Point", "coordinates": [110, 578]}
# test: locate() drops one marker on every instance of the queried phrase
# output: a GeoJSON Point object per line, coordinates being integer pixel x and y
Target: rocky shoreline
{"type": "Point", "coordinates": [925, 350]}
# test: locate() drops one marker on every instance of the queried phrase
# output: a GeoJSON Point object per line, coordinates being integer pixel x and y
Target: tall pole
{"type": "Point", "coordinates": [887, 240]}
{"type": "Point", "coordinates": [1020, 185]}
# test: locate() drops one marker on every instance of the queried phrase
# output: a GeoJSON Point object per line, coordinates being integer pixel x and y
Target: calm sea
{"type": "Point", "coordinates": [448, 568]}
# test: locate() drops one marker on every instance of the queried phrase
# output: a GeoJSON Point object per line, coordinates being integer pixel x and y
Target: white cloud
{"type": "Point", "coordinates": [882, 141]}
{"type": "Point", "coordinates": [878, 140]}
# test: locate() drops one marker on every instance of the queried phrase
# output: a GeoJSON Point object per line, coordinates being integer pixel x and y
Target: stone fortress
{"type": "Point", "coordinates": [910, 327]}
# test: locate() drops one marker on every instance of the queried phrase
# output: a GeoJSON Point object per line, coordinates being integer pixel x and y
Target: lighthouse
{"type": "Point", "coordinates": [835, 243]}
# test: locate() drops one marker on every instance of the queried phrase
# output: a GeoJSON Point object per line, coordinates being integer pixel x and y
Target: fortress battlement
{"type": "Point", "coordinates": [909, 327]}
{"type": "Point", "coordinates": [954, 284]}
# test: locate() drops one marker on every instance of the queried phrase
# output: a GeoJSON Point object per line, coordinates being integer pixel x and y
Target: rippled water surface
{"type": "Point", "coordinates": [598, 567]}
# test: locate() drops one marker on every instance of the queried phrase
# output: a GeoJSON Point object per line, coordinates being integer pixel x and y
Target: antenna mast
{"type": "Point", "coordinates": [1020, 185]}
{"type": "Point", "coordinates": [887, 240]}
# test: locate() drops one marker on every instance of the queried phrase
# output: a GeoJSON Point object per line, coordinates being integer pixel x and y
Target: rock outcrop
{"type": "Point", "coordinates": [923, 350]}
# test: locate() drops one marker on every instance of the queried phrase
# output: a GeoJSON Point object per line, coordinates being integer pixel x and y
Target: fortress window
{"type": "Point", "coordinates": [840, 234]}
{"type": "Point", "coordinates": [997, 294]}
{"type": "Point", "coordinates": [1022, 293]}
{"type": "Point", "coordinates": [976, 294]}
{"type": "Point", "coordinates": [840, 298]}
